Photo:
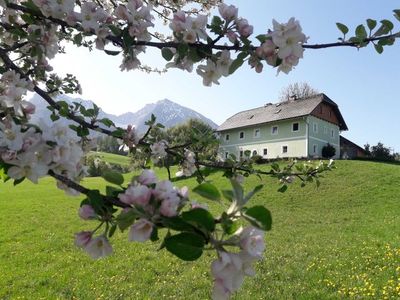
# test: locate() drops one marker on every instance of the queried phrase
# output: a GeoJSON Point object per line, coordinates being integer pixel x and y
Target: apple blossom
{"type": "Point", "coordinates": [83, 238]}
{"type": "Point", "coordinates": [169, 205]}
{"type": "Point", "coordinates": [147, 177]}
{"type": "Point", "coordinates": [136, 195]}
{"type": "Point", "coordinates": [244, 28]}
{"type": "Point", "coordinates": [228, 12]}
{"type": "Point", "coordinates": [252, 241]}
{"type": "Point", "coordinates": [210, 73]}
{"type": "Point", "coordinates": [158, 151]}
{"type": "Point", "coordinates": [98, 247]}
{"type": "Point", "coordinates": [140, 231]}
{"type": "Point", "coordinates": [189, 163]}
{"type": "Point", "coordinates": [86, 212]}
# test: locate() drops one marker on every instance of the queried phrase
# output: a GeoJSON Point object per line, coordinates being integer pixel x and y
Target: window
{"type": "Point", "coordinates": [284, 149]}
{"type": "Point", "coordinates": [241, 135]}
{"type": "Point", "coordinates": [325, 130]}
{"type": "Point", "coordinates": [320, 109]}
{"type": "Point", "coordinates": [332, 133]}
{"type": "Point", "coordinates": [226, 154]}
{"type": "Point", "coordinates": [295, 127]}
{"type": "Point", "coordinates": [226, 137]}
{"type": "Point", "coordinates": [315, 127]}
{"type": "Point", "coordinates": [254, 152]}
{"type": "Point", "coordinates": [241, 153]}
{"type": "Point", "coordinates": [315, 149]}
{"type": "Point", "coordinates": [274, 130]}
{"type": "Point", "coordinates": [265, 151]}
{"type": "Point", "coordinates": [257, 133]}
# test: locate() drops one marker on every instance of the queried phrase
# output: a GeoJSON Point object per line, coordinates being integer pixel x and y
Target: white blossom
{"type": "Point", "coordinates": [210, 73]}
{"type": "Point", "coordinates": [140, 231]}
{"type": "Point", "coordinates": [158, 151]}
{"type": "Point", "coordinates": [99, 247]}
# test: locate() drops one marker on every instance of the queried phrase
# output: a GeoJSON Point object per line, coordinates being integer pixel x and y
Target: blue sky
{"type": "Point", "coordinates": [364, 84]}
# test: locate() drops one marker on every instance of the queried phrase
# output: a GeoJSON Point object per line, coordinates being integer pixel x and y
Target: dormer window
{"type": "Point", "coordinates": [226, 137]}
{"type": "Point", "coordinates": [241, 135]}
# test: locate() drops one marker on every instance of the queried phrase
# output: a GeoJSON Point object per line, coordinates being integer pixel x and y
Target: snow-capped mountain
{"type": "Point", "coordinates": [166, 111]}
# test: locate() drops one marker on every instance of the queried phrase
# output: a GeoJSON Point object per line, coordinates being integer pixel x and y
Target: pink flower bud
{"type": "Point", "coordinates": [83, 238]}
{"type": "Point", "coordinates": [228, 12]}
{"type": "Point", "coordinates": [86, 212]}
{"type": "Point", "coordinates": [244, 29]}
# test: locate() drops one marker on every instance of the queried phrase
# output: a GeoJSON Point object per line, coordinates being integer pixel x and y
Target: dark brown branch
{"type": "Point", "coordinates": [81, 189]}
{"type": "Point", "coordinates": [118, 41]}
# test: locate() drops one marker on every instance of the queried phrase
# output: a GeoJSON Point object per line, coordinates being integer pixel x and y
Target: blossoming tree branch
{"type": "Point", "coordinates": [33, 32]}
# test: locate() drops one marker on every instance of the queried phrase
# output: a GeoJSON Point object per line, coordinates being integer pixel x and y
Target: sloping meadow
{"type": "Point", "coordinates": [340, 240]}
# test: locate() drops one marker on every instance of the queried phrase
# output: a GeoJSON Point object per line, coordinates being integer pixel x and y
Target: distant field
{"type": "Point", "coordinates": [112, 158]}
{"type": "Point", "coordinates": [338, 241]}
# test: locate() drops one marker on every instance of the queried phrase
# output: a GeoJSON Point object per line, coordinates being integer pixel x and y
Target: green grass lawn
{"type": "Point", "coordinates": [338, 241]}
{"type": "Point", "coordinates": [112, 158]}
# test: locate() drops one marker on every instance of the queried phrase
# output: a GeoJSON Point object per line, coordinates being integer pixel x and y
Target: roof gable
{"type": "Point", "coordinates": [280, 111]}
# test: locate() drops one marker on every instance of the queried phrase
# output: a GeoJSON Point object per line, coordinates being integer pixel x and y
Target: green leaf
{"type": "Point", "coordinates": [200, 217]}
{"type": "Point", "coordinates": [343, 28]}
{"type": "Point", "coordinates": [115, 30]}
{"type": "Point", "coordinates": [260, 217]}
{"type": "Point", "coordinates": [18, 181]}
{"type": "Point", "coordinates": [27, 18]}
{"type": "Point", "coordinates": [382, 30]}
{"type": "Point", "coordinates": [82, 131]}
{"type": "Point", "coordinates": [182, 50]}
{"type": "Point", "coordinates": [167, 54]}
{"type": "Point", "coordinates": [126, 219]}
{"type": "Point", "coordinates": [112, 52]}
{"type": "Point", "coordinates": [54, 117]}
{"type": "Point", "coordinates": [262, 38]}
{"type": "Point", "coordinates": [112, 230]}
{"type": "Point", "coordinates": [389, 25]}
{"type": "Point", "coordinates": [154, 234]}
{"type": "Point", "coordinates": [228, 225]}
{"type": "Point", "coordinates": [283, 188]}
{"type": "Point", "coordinates": [78, 39]}
{"type": "Point", "coordinates": [95, 200]}
{"type": "Point", "coordinates": [361, 33]}
{"type": "Point", "coordinates": [236, 64]}
{"type": "Point", "coordinates": [208, 190]}
{"type": "Point", "coordinates": [378, 48]}
{"type": "Point", "coordinates": [187, 246]}
{"type": "Point", "coordinates": [112, 191]}
{"type": "Point", "coordinates": [106, 122]}
{"type": "Point", "coordinates": [371, 24]}
{"type": "Point", "coordinates": [253, 192]}
{"type": "Point", "coordinates": [177, 223]}
{"type": "Point", "coordinates": [397, 14]}
{"type": "Point", "coordinates": [113, 177]}
{"type": "Point", "coordinates": [228, 194]}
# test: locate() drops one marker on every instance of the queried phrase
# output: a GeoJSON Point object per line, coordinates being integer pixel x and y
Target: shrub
{"type": "Point", "coordinates": [328, 151]}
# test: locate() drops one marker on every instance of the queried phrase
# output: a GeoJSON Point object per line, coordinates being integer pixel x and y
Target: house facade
{"type": "Point", "coordinates": [295, 128]}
